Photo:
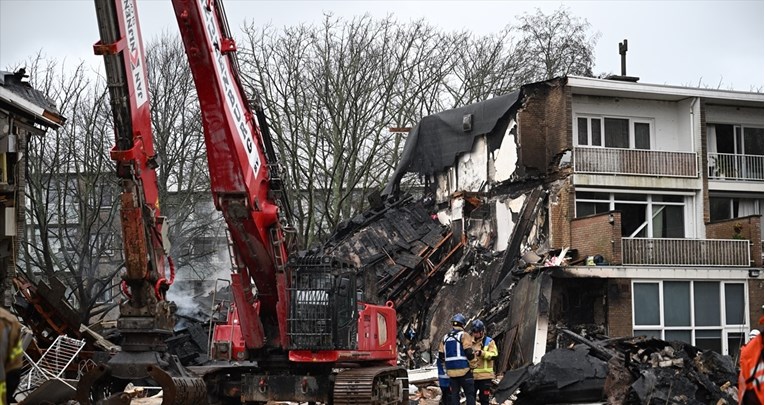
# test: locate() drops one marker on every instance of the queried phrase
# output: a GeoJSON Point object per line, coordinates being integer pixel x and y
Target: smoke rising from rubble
{"type": "Point", "coordinates": [193, 298]}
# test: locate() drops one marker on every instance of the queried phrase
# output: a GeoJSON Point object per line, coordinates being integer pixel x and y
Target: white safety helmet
{"type": "Point", "coordinates": [753, 333]}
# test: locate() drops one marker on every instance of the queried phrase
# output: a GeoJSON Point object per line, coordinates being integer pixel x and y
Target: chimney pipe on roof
{"type": "Point", "coordinates": [623, 52]}
{"type": "Point", "coordinates": [623, 77]}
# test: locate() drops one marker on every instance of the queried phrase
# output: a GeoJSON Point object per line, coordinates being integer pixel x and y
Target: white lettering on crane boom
{"type": "Point", "coordinates": [230, 91]}
{"type": "Point", "coordinates": [135, 53]}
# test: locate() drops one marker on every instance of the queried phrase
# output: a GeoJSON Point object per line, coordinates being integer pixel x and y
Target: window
{"type": "Point", "coordinates": [735, 151]}
{"type": "Point", "coordinates": [735, 139]}
{"type": "Point", "coordinates": [725, 207]}
{"type": "Point", "coordinates": [617, 133]}
{"type": "Point", "coordinates": [643, 215]}
{"type": "Point", "coordinates": [589, 131]}
{"type": "Point", "coordinates": [102, 244]}
{"type": "Point", "coordinates": [612, 132]}
{"type": "Point", "coordinates": [102, 290]}
{"type": "Point", "coordinates": [707, 314]}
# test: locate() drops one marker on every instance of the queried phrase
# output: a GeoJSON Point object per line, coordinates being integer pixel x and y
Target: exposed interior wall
{"type": "Point", "coordinates": [472, 168]}
{"type": "Point", "coordinates": [503, 161]}
{"type": "Point", "coordinates": [579, 304]}
{"type": "Point", "coordinates": [544, 129]}
{"type": "Point", "coordinates": [507, 213]}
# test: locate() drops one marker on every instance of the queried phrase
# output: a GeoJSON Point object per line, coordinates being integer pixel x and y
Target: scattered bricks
{"type": "Point", "coordinates": [665, 363]}
{"type": "Point", "coordinates": [655, 359]}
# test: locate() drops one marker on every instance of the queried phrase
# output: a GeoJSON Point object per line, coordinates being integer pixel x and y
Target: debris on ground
{"type": "Point", "coordinates": [640, 370]}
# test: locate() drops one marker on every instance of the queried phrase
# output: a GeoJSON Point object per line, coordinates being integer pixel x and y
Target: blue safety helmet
{"type": "Point", "coordinates": [459, 319]}
{"type": "Point", "coordinates": [477, 326]}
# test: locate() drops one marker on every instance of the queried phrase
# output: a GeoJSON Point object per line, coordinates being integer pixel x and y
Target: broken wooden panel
{"type": "Point", "coordinates": [45, 310]}
{"type": "Point", "coordinates": [401, 243]}
{"type": "Point", "coordinates": [529, 302]}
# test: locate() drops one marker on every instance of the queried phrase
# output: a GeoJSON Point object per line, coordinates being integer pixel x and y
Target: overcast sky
{"type": "Point", "coordinates": [719, 43]}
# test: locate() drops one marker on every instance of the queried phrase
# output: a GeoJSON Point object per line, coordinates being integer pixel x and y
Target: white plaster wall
{"type": "Point", "coordinates": [503, 161]}
{"type": "Point", "coordinates": [457, 205]}
{"type": "Point", "coordinates": [443, 191]}
{"type": "Point", "coordinates": [472, 167]}
{"type": "Point", "coordinates": [504, 218]}
{"type": "Point", "coordinates": [734, 115]}
{"type": "Point", "coordinates": [684, 118]}
{"type": "Point", "coordinates": [667, 133]}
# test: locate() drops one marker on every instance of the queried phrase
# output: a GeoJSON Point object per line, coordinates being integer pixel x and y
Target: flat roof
{"type": "Point", "coordinates": [605, 87]}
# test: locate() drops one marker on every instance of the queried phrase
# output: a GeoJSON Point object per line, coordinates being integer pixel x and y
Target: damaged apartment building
{"type": "Point", "coordinates": [24, 112]}
{"type": "Point", "coordinates": [606, 206]}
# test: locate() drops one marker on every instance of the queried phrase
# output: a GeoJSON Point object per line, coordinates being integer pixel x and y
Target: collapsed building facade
{"type": "Point", "coordinates": [611, 207]}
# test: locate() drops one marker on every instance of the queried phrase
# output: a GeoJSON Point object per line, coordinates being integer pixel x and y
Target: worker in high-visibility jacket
{"type": "Point", "coordinates": [10, 355]}
{"type": "Point", "coordinates": [750, 377]}
{"type": "Point", "coordinates": [485, 350]}
{"type": "Point", "coordinates": [456, 351]}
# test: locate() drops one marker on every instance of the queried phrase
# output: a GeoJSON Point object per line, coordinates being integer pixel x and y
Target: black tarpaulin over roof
{"type": "Point", "coordinates": [14, 83]}
{"type": "Point", "coordinates": [438, 139]}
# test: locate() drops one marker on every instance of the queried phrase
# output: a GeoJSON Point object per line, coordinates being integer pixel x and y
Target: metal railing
{"type": "Point", "coordinates": [728, 166]}
{"type": "Point", "coordinates": [635, 162]}
{"type": "Point", "coordinates": [686, 252]}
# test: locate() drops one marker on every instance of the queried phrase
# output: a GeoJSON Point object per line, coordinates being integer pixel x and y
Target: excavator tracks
{"type": "Point", "coordinates": [372, 385]}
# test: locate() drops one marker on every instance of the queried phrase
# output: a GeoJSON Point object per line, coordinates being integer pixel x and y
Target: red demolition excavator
{"type": "Point", "coordinates": [298, 329]}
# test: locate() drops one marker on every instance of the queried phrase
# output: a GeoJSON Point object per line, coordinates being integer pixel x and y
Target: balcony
{"type": "Point", "coordinates": [733, 167]}
{"type": "Point", "coordinates": [636, 162]}
{"type": "Point", "coordinates": [686, 252]}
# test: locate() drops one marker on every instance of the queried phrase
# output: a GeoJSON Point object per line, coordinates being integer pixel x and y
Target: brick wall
{"type": "Point", "coordinates": [755, 287]}
{"type": "Point", "coordinates": [619, 307]}
{"type": "Point", "coordinates": [561, 214]}
{"type": "Point", "coordinates": [544, 125]}
{"type": "Point", "coordinates": [751, 229]}
{"type": "Point", "coordinates": [595, 235]}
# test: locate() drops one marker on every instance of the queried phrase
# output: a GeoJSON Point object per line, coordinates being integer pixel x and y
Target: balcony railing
{"type": "Point", "coordinates": [635, 162]}
{"type": "Point", "coordinates": [728, 166]}
{"type": "Point", "coordinates": [686, 252]}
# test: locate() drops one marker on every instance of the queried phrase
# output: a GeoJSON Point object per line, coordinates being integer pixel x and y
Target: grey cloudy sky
{"type": "Point", "coordinates": [717, 43]}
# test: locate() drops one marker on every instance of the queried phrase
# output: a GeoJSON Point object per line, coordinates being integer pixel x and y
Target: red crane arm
{"type": "Point", "coordinates": [239, 172]}
{"type": "Point", "coordinates": [125, 62]}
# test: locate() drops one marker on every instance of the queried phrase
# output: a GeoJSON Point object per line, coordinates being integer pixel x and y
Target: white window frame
{"type": "Point", "coordinates": [631, 125]}
{"type": "Point", "coordinates": [687, 204]}
{"type": "Point", "coordinates": [725, 330]}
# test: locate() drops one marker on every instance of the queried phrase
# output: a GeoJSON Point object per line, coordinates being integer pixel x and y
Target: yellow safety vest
{"type": "Point", "coordinates": [10, 349]}
{"type": "Point", "coordinates": [483, 366]}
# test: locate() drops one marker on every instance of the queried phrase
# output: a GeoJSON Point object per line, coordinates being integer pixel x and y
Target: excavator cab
{"type": "Point", "coordinates": [323, 308]}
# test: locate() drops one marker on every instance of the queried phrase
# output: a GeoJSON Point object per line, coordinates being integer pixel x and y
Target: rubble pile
{"type": "Point", "coordinates": [626, 370]}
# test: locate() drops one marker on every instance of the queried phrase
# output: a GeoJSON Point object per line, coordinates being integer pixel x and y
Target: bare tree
{"type": "Point", "coordinates": [71, 192]}
{"type": "Point", "coordinates": [196, 229]}
{"type": "Point", "coordinates": [333, 90]}
{"type": "Point", "coordinates": [555, 45]}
